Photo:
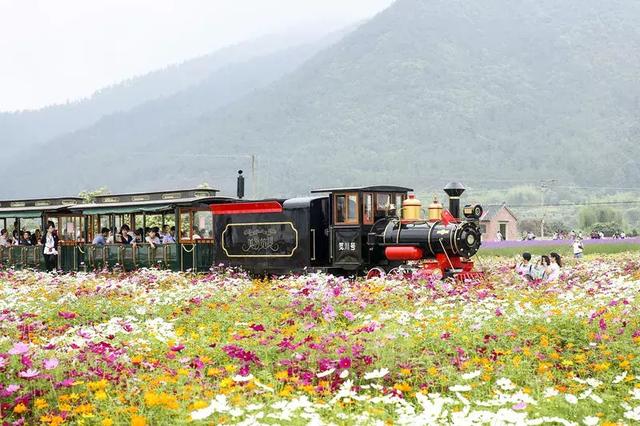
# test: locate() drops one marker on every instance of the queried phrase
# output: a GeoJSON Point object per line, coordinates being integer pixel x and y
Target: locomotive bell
{"type": "Point", "coordinates": [411, 208]}
{"type": "Point", "coordinates": [435, 210]}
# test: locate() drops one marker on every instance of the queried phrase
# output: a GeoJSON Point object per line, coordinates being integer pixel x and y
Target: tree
{"type": "Point", "coordinates": [89, 196]}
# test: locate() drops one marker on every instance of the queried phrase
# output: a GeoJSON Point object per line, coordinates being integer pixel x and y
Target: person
{"type": "Point", "coordinates": [530, 236]}
{"type": "Point", "coordinates": [578, 248]}
{"type": "Point", "coordinates": [554, 267]}
{"type": "Point", "coordinates": [168, 237]}
{"type": "Point", "coordinates": [165, 231]}
{"type": "Point", "coordinates": [623, 235]}
{"type": "Point", "coordinates": [35, 239]}
{"type": "Point", "coordinates": [524, 267]}
{"type": "Point", "coordinates": [25, 240]}
{"type": "Point", "coordinates": [50, 248]}
{"type": "Point", "coordinates": [101, 238]}
{"type": "Point", "coordinates": [110, 237]}
{"type": "Point", "coordinates": [499, 236]}
{"type": "Point", "coordinates": [125, 238]}
{"type": "Point", "coordinates": [4, 241]}
{"type": "Point", "coordinates": [196, 233]}
{"type": "Point", "coordinates": [542, 268]}
{"type": "Point", "coordinates": [152, 238]}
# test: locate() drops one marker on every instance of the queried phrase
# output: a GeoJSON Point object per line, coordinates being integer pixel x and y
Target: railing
{"type": "Point", "coordinates": [127, 257]}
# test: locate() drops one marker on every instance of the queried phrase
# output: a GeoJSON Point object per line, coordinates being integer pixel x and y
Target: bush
{"type": "Point", "coordinates": [608, 228]}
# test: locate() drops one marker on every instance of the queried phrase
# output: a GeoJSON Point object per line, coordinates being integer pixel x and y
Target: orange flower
{"type": "Point", "coordinates": [20, 408]}
{"type": "Point", "coordinates": [138, 421]}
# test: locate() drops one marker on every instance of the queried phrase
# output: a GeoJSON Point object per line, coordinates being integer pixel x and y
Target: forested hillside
{"type": "Point", "coordinates": [427, 91]}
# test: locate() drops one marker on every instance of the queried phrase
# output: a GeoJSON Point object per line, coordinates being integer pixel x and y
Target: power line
{"type": "Point", "coordinates": [575, 204]}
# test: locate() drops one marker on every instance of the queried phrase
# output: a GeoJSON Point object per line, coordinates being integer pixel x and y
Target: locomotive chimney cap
{"type": "Point", "coordinates": [454, 189]}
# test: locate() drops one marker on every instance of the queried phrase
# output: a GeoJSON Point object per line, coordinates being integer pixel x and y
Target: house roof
{"type": "Point", "coordinates": [374, 188]}
{"type": "Point", "coordinates": [491, 210]}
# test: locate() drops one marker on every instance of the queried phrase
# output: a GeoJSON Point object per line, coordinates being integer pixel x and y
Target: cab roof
{"type": "Point", "coordinates": [374, 188]}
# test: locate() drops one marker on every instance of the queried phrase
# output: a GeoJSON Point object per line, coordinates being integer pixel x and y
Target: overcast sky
{"type": "Point", "coordinates": [52, 51]}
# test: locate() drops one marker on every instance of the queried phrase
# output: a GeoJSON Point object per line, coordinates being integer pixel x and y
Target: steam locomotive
{"type": "Point", "coordinates": [372, 231]}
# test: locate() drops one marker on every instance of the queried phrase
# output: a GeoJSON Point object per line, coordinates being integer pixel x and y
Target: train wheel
{"type": "Point", "coordinates": [375, 273]}
{"type": "Point", "coordinates": [400, 273]}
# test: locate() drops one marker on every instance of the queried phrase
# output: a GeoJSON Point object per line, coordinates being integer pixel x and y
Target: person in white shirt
{"type": "Point", "coordinates": [578, 248]}
{"type": "Point", "coordinates": [499, 236]}
{"type": "Point", "coordinates": [554, 267]}
{"type": "Point", "coordinates": [525, 267]}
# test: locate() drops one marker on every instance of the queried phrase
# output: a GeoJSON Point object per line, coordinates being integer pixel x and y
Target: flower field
{"type": "Point", "coordinates": [161, 348]}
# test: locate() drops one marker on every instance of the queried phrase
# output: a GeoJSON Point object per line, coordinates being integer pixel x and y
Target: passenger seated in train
{"type": "Point", "coordinates": [5, 241]}
{"type": "Point", "coordinates": [168, 237]}
{"type": "Point", "coordinates": [36, 237]}
{"type": "Point", "coordinates": [110, 237]}
{"type": "Point", "coordinates": [152, 238]}
{"type": "Point", "coordinates": [196, 233]}
{"type": "Point", "coordinates": [25, 240]}
{"type": "Point", "coordinates": [125, 237]}
{"type": "Point", "coordinates": [101, 238]}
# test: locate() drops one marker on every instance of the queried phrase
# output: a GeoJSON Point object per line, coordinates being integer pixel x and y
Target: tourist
{"type": "Point", "coordinates": [499, 236]}
{"type": "Point", "coordinates": [524, 267]}
{"type": "Point", "coordinates": [152, 238]}
{"type": "Point", "coordinates": [168, 237]}
{"type": "Point", "coordinates": [101, 238]}
{"type": "Point", "coordinates": [4, 240]}
{"type": "Point", "coordinates": [554, 267]}
{"type": "Point", "coordinates": [26, 239]}
{"type": "Point", "coordinates": [35, 239]}
{"type": "Point", "coordinates": [125, 238]}
{"type": "Point", "coordinates": [50, 249]}
{"type": "Point", "coordinates": [542, 268]}
{"type": "Point", "coordinates": [578, 248]}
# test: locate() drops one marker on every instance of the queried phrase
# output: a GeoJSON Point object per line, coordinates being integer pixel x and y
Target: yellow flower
{"type": "Point", "coordinates": [213, 371]}
{"type": "Point", "coordinates": [40, 404]}
{"type": "Point", "coordinates": [282, 375]}
{"type": "Point", "coordinates": [106, 422]}
{"type": "Point", "coordinates": [405, 372]}
{"type": "Point", "coordinates": [20, 408]}
{"type": "Point", "coordinates": [403, 387]}
{"type": "Point", "coordinates": [516, 361]}
{"type": "Point", "coordinates": [433, 371]}
{"type": "Point", "coordinates": [544, 341]}
{"type": "Point", "coordinates": [138, 421]}
{"type": "Point", "coordinates": [101, 395]}
{"type": "Point", "coordinates": [137, 359]}
{"type": "Point", "coordinates": [286, 391]}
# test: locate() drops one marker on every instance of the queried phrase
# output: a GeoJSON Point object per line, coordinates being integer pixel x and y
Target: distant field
{"type": "Point", "coordinates": [563, 247]}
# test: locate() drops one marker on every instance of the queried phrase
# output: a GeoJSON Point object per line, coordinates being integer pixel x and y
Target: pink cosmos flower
{"type": "Point", "coordinates": [257, 327]}
{"type": "Point", "coordinates": [344, 363]}
{"type": "Point", "coordinates": [67, 315]}
{"type": "Point", "coordinates": [520, 406]}
{"type": "Point", "coordinates": [29, 374]}
{"type": "Point", "coordinates": [11, 389]}
{"type": "Point", "coordinates": [3, 362]}
{"type": "Point", "coordinates": [50, 364]}
{"type": "Point", "coordinates": [19, 349]}
{"type": "Point", "coordinates": [348, 315]}
{"type": "Point", "coordinates": [177, 348]}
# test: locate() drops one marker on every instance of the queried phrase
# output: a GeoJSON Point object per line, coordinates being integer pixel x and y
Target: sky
{"type": "Point", "coordinates": [54, 51]}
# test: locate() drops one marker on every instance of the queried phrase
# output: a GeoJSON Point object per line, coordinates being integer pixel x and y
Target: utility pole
{"type": "Point", "coordinates": [544, 185]}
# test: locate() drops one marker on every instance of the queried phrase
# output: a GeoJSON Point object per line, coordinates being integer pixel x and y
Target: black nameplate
{"type": "Point", "coordinates": [268, 239]}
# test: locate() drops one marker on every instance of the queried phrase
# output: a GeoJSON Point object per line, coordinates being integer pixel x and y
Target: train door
{"type": "Point", "coordinates": [346, 231]}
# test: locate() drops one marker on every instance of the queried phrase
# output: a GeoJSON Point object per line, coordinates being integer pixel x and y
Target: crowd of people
{"type": "Point", "coordinates": [153, 236]}
{"type": "Point", "coordinates": [546, 269]}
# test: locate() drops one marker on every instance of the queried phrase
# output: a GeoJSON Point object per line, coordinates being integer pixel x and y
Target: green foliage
{"type": "Point", "coordinates": [607, 228]}
{"type": "Point", "coordinates": [591, 215]}
{"type": "Point", "coordinates": [89, 196]}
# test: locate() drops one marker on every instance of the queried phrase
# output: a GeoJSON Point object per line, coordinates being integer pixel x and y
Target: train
{"type": "Point", "coordinates": [366, 230]}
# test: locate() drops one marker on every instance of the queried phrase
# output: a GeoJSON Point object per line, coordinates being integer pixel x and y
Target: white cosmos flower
{"type": "Point", "coordinates": [460, 388]}
{"type": "Point", "coordinates": [344, 374]}
{"type": "Point", "coordinates": [633, 414]}
{"type": "Point", "coordinates": [505, 384]}
{"type": "Point", "coordinates": [594, 383]}
{"type": "Point", "coordinates": [326, 373]}
{"type": "Point", "coordinates": [635, 393]}
{"type": "Point", "coordinates": [217, 405]}
{"type": "Point", "coordinates": [571, 399]}
{"type": "Point", "coordinates": [619, 378]}
{"type": "Point", "coordinates": [239, 378]}
{"type": "Point", "coordinates": [591, 420]}
{"type": "Point", "coordinates": [376, 374]}
{"type": "Point", "coordinates": [550, 393]}
{"type": "Point", "coordinates": [471, 375]}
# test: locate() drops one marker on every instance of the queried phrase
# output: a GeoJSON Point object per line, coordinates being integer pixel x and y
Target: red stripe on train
{"type": "Point", "coordinates": [247, 208]}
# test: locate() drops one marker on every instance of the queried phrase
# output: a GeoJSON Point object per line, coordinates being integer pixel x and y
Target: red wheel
{"type": "Point", "coordinates": [375, 273]}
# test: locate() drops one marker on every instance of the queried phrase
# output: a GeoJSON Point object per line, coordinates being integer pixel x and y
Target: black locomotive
{"type": "Point", "coordinates": [363, 230]}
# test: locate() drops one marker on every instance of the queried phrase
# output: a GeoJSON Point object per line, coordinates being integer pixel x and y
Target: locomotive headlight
{"type": "Point", "coordinates": [473, 212]}
{"type": "Point", "coordinates": [471, 240]}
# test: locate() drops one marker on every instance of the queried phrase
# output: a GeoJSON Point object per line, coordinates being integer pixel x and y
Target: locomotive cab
{"type": "Point", "coordinates": [355, 212]}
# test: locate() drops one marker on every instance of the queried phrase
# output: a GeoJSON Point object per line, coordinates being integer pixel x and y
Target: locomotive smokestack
{"type": "Point", "coordinates": [454, 190]}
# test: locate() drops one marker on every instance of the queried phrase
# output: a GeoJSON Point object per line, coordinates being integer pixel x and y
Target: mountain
{"type": "Point", "coordinates": [32, 127]}
{"type": "Point", "coordinates": [425, 92]}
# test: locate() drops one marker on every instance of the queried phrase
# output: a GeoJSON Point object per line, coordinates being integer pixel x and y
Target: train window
{"type": "Point", "coordinates": [341, 208]}
{"type": "Point", "coordinates": [367, 212]}
{"type": "Point", "coordinates": [346, 208]}
{"type": "Point", "coordinates": [399, 198]}
{"type": "Point", "coordinates": [203, 224]}
{"type": "Point", "coordinates": [185, 225]}
{"type": "Point", "coordinates": [382, 202]}
{"type": "Point", "coordinates": [71, 228]}
{"type": "Point", "coordinates": [352, 208]}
